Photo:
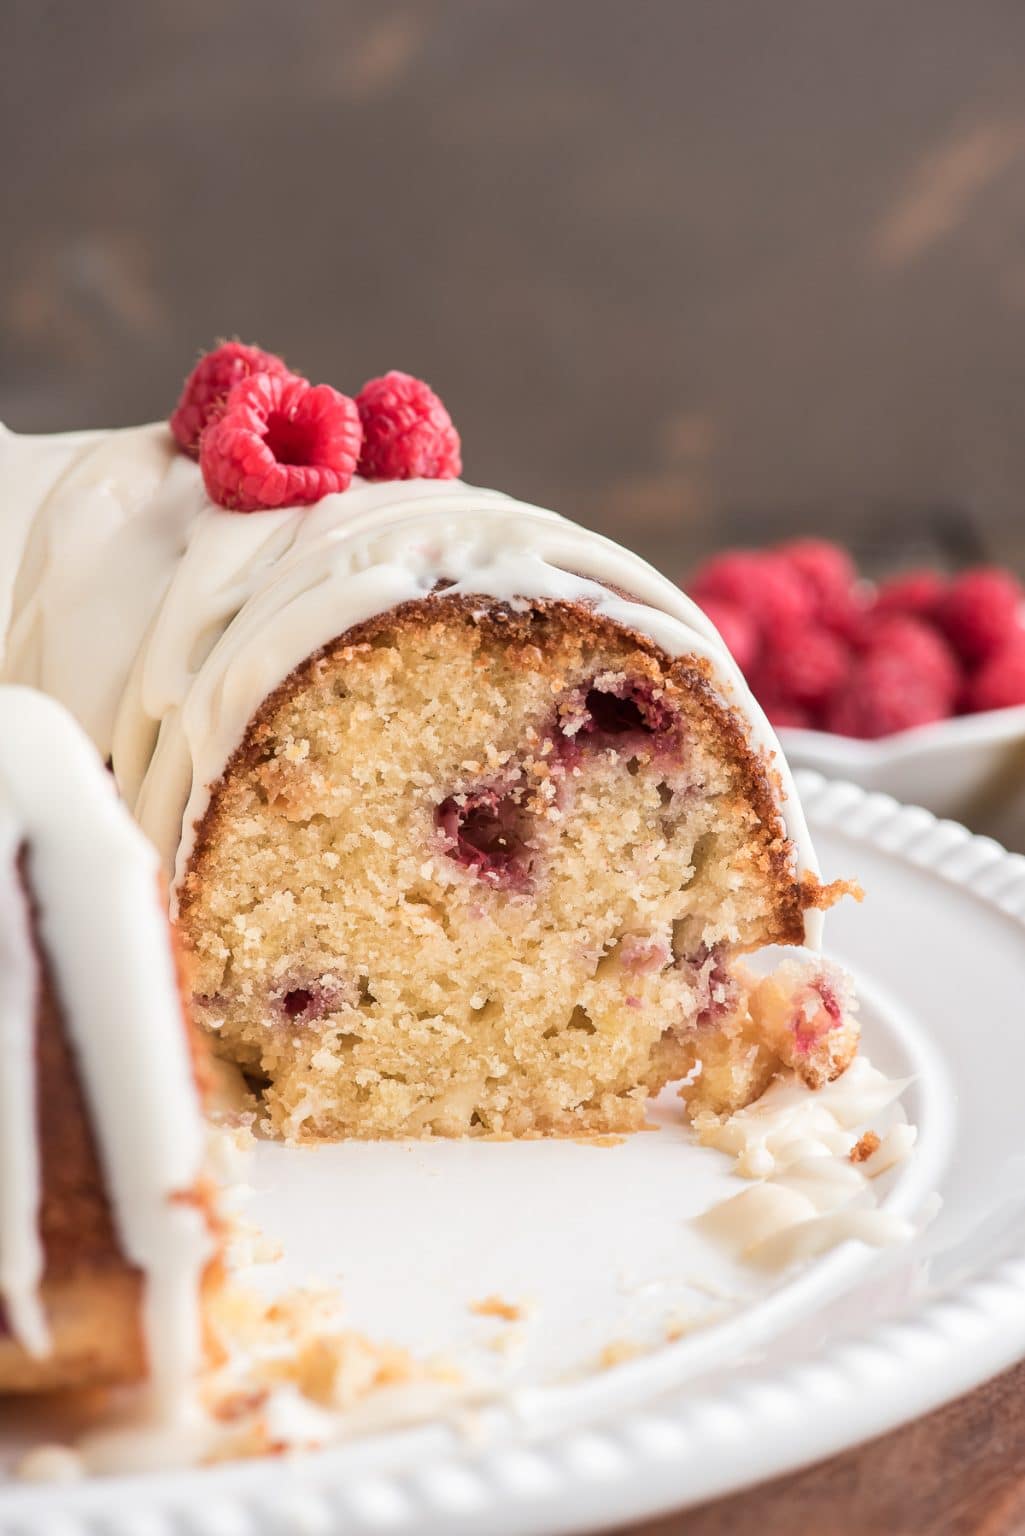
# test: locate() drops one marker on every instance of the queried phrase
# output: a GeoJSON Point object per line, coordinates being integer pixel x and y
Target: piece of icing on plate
{"type": "Point", "coordinates": [807, 1194]}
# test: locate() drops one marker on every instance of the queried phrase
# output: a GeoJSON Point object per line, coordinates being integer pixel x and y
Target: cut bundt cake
{"type": "Point", "coordinates": [481, 869]}
{"type": "Point", "coordinates": [468, 813]}
{"type": "Point", "coordinates": [106, 1222]}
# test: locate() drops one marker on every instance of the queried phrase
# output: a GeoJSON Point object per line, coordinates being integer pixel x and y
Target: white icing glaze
{"type": "Point", "coordinates": [809, 1196]}
{"type": "Point", "coordinates": [163, 622]}
{"type": "Point", "coordinates": [95, 883]}
{"type": "Point", "coordinates": [804, 1240]}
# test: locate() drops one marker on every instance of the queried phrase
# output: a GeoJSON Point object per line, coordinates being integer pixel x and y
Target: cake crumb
{"type": "Point", "coordinates": [232, 1406]}
{"type": "Point", "coordinates": [494, 1306]}
{"type": "Point", "coordinates": [618, 1352]}
{"type": "Point", "coordinates": [291, 1376]}
{"type": "Point", "coordinates": [249, 1245]}
{"type": "Point", "coordinates": [862, 1150]}
{"type": "Point", "coordinates": [338, 1370]}
{"type": "Point", "coordinates": [600, 1141]}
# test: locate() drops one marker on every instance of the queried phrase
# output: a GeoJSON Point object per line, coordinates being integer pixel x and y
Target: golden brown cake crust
{"type": "Point", "coordinates": [76, 1223]}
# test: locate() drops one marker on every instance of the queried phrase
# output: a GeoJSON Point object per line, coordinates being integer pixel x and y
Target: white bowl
{"type": "Point", "coordinates": [970, 769]}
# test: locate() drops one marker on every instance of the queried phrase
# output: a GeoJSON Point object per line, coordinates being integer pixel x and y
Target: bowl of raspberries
{"type": "Point", "coordinates": [914, 685]}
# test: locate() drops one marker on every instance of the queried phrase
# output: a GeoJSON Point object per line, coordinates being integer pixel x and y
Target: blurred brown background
{"type": "Point", "coordinates": [690, 272]}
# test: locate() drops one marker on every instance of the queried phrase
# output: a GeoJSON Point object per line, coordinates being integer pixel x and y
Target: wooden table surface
{"type": "Point", "coordinates": [692, 273]}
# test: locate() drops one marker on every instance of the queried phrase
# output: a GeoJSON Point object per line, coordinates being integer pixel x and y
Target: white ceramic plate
{"type": "Point", "coordinates": [598, 1242]}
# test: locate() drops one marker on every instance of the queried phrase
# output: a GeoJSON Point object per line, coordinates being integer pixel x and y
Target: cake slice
{"type": "Point", "coordinates": [483, 869]}
{"type": "Point", "coordinates": [107, 1228]}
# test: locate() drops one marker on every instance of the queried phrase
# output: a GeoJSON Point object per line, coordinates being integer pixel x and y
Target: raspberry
{"type": "Point", "coordinates": [1000, 681]}
{"type": "Point", "coordinates": [630, 708]}
{"type": "Point", "coordinates": [643, 953]}
{"type": "Point", "coordinates": [850, 617]}
{"type": "Point", "coordinates": [208, 386]}
{"type": "Point", "coordinates": [407, 432]}
{"type": "Point", "coordinates": [786, 716]}
{"type": "Point", "coordinates": [767, 588]}
{"type": "Point", "coordinates": [838, 600]}
{"type": "Point", "coordinates": [919, 645]}
{"type": "Point", "coordinates": [884, 693]}
{"type": "Point", "coordinates": [281, 442]}
{"type": "Point", "coordinates": [827, 570]}
{"type": "Point", "coordinates": [736, 629]}
{"type": "Point", "coordinates": [979, 613]}
{"type": "Point", "coordinates": [485, 830]}
{"type": "Point", "coordinates": [802, 664]}
{"type": "Point", "coordinates": [915, 592]}
{"type": "Point", "coordinates": [310, 999]}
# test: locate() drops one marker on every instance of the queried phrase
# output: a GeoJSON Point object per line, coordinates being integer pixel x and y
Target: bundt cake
{"type": "Point", "coordinates": [467, 811]}
{"type": "Point", "coordinates": [107, 1236]}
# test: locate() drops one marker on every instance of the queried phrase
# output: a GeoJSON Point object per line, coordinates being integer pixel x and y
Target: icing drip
{"type": "Point", "coordinates": [94, 880]}
{"type": "Point", "coordinates": [809, 1196]}
{"type": "Point", "coordinates": [164, 621]}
